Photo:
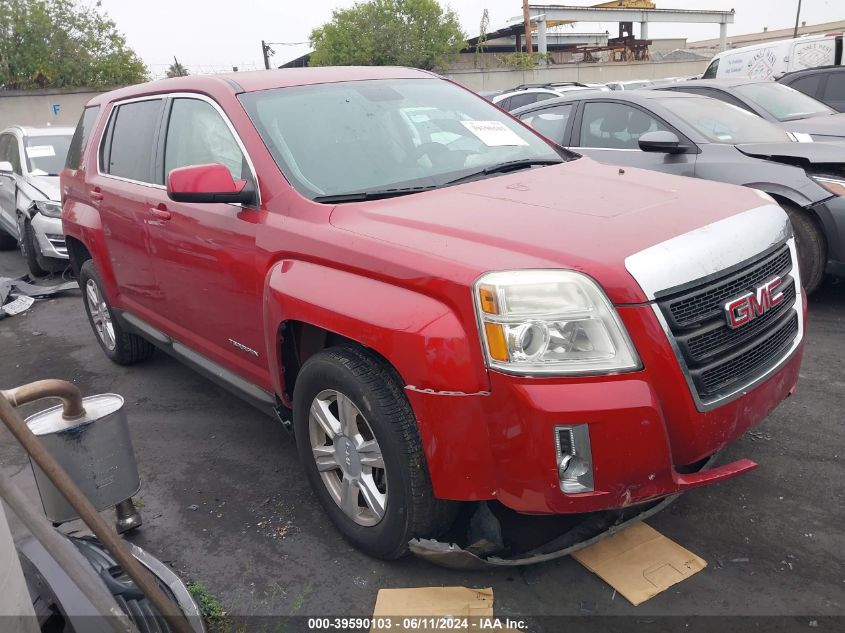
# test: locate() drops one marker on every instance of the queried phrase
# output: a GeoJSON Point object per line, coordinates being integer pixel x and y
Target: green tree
{"type": "Point", "coordinates": [418, 33]}
{"type": "Point", "coordinates": [62, 44]}
{"type": "Point", "coordinates": [177, 70]}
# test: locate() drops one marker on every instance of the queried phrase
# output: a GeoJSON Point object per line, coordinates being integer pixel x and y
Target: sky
{"type": "Point", "coordinates": [215, 35]}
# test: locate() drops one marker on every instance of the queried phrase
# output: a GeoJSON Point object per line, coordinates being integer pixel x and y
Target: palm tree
{"type": "Point", "coordinates": [177, 70]}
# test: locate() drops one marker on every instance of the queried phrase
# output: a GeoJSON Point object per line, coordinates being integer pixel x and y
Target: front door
{"type": "Point", "coordinates": [204, 254]}
{"type": "Point", "coordinates": [10, 153]}
{"type": "Point", "coordinates": [609, 132]}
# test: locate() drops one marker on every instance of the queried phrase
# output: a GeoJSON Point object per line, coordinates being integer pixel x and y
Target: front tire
{"type": "Point", "coordinates": [811, 246]}
{"type": "Point", "coordinates": [30, 252]}
{"type": "Point", "coordinates": [120, 346]}
{"type": "Point", "coordinates": [358, 441]}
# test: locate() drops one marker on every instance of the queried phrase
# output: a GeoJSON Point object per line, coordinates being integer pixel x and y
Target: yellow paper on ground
{"type": "Point", "coordinates": [639, 562]}
{"type": "Point", "coordinates": [422, 602]}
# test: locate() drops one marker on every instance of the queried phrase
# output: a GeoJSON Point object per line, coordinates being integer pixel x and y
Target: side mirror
{"type": "Point", "coordinates": [207, 183]}
{"type": "Point", "coordinates": [6, 168]}
{"type": "Point", "coordinates": [661, 141]}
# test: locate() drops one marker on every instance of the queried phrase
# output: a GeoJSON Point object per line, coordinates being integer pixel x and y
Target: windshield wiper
{"type": "Point", "coordinates": [378, 194]}
{"type": "Point", "coordinates": [502, 168]}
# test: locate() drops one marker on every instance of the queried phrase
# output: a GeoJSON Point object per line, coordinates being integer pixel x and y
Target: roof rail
{"type": "Point", "coordinates": [550, 84]}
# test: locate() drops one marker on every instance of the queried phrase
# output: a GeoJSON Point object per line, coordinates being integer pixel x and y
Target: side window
{"type": "Point", "coordinates": [505, 104]}
{"type": "Point", "coordinates": [197, 135]}
{"type": "Point", "coordinates": [4, 146]}
{"type": "Point", "coordinates": [808, 85]}
{"type": "Point", "coordinates": [710, 73]}
{"type": "Point", "coordinates": [80, 137]}
{"type": "Point", "coordinates": [517, 101]}
{"type": "Point", "coordinates": [130, 140]}
{"type": "Point", "coordinates": [13, 153]}
{"type": "Point", "coordinates": [835, 89]}
{"type": "Point", "coordinates": [615, 125]}
{"type": "Point", "coordinates": [550, 122]}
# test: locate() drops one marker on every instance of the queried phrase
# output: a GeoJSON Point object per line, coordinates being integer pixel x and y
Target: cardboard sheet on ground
{"type": "Point", "coordinates": [459, 602]}
{"type": "Point", "coordinates": [639, 562]}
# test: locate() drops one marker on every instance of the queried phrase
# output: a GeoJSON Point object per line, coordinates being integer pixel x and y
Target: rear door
{"type": "Point", "coordinates": [123, 189]}
{"type": "Point", "coordinates": [609, 132]}
{"type": "Point", "coordinates": [204, 254]}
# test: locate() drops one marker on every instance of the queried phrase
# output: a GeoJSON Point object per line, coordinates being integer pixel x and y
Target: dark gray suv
{"type": "Point", "coordinates": [689, 135]}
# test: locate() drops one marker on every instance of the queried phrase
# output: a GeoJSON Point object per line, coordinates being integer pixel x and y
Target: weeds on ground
{"type": "Point", "coordinates": [211, 608]}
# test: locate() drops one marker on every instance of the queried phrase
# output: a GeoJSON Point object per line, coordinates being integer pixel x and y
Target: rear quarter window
{"type": "Point", "coordinates": [127, 150]}
{"type": "Point", "coordinates": [80, 137]}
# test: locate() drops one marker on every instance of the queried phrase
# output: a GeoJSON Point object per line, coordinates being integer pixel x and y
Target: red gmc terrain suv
{"type": "Point", "coordinates": [452, 308]}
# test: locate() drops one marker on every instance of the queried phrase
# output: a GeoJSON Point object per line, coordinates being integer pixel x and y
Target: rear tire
{"type": "Point", "coordinates": [120, 346]}
{"type": "Point", "coordinates": [811, 246]}
{"type": "Point", "coordinates": [351, 415]}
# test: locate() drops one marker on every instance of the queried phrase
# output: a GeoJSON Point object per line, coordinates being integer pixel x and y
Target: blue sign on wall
{"type": "Point", "coordinates": [57, 107]}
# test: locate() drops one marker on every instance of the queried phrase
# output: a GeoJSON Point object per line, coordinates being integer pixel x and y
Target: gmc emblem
{"type": "Point", "coordinates": [749, 306]}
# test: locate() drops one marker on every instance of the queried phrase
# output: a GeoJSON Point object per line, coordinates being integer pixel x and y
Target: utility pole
{"type": "Point", "coordinates": [265, 51]}
{"type": "Point", "coordinates": [526, 16]}
{"type": "Point", "coordinates": [797, 17]}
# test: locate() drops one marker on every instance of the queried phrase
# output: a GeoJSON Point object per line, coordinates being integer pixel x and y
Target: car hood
{"type": "Point", "coordinates": [48, 186]}
{"type": "Point", "coordinates": [580, 215]}
{"type": "Point", "coordinates": [827, 125]}
{"type": "Point", "coordinates": [796, 153]}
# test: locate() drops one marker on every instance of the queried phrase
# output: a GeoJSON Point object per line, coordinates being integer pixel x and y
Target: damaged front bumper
{"type": "Point", "coordinates": [486, 547]}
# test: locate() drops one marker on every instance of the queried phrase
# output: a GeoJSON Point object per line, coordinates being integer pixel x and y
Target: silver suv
{"type": "Point", "coordinates": [30, 203]}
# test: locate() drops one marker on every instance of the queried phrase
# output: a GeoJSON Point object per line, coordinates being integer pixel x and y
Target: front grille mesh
{"type": "Point", "coordinates": [699, 305]}
{"type": "Point", "coordinates": [717, 357]}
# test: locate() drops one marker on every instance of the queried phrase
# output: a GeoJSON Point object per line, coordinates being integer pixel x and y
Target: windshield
{"type": "Point", "coordinates": [366, 136]}
{"type": "Point", "coordinates": [722, 122]}
{"type": "Point", "coordinates": [782, 102]}
{"type": "Point", "coordinates": [45, 155]}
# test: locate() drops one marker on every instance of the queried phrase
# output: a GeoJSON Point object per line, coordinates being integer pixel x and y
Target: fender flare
{"type": "Point", "coordinates": [776, 189]}
{"type": "Point", "coordinates": [422, 337]}
{"type": "Point", "coordinates": [83, 224]}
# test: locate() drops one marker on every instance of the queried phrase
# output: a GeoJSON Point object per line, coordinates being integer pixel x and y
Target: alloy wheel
{"type": "Point", "coordinates": [348, 457]}
{"type": "Point", "coordinates": [100, 315]}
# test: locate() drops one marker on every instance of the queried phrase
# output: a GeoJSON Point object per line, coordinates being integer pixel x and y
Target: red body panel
{"type": "Point", "coordinates": [395, 275]}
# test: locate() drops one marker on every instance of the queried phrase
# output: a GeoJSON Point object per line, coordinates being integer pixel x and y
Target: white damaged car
{"type": "Point", "coordinates": [30, 201]}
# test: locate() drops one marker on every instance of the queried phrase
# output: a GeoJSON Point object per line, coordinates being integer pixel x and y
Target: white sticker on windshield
{"type": "Point", "coordinates": [40, 151]}
{"type": "Point", "coordinates": [493, 133]}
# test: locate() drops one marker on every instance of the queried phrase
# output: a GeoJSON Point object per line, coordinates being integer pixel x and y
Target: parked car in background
{"type": "Point", "coordinates": [772, 59]}
{"type": "Point", "coordinates": [455, 309]}
{"type": "Point", "coordinates": [629, 85]}
{"type": "Point", "coordinates": [689, 135]}
{"type": "Point", "coordinates": [790, 109]}
{"type": "Point", "coordinates": [827, 84]}
{"type": "Point", "coordinates": [30, 203]}
{"type": "Point", "coordinates": [532, 93]}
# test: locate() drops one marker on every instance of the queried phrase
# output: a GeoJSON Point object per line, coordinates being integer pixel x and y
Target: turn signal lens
{"type": "Point", "coordinates": [487, 298]}
{"type": "Point", "coordinates": [836, 186]}
{"type": "Point", "coordinates": [496, 343]}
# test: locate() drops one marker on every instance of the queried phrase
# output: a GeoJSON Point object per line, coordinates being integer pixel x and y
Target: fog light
{"type": "Point", "coordinates": [574, 458]}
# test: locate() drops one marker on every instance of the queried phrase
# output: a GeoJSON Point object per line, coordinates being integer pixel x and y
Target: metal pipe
{"type": "Point", "coordinates": [69, 394]}
{"type": "Point", "coordinates": [66, 556]}
{"type": "Point", "coordinates": [72, 400]}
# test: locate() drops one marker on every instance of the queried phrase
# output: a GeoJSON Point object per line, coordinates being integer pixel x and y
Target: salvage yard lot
{"type": "Point", "coordinates": [225, 503]}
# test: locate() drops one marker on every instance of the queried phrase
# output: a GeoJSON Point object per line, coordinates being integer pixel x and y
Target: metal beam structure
{"type": "Point", "coordinates": [540, 14]}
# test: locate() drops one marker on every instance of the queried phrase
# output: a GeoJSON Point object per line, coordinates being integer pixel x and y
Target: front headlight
{"type": "Point", "coordinates": [836, 186]}
{"type": "Point", "coordinates": [550, 322]}
{"type": "Point", "coordinates": [49, 208]}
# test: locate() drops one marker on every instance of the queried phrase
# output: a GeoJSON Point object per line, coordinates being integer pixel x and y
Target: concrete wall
{"type": "Point", "coordinates": [43, 107]}
{"type": "Point", "coordinates": [504, 78]}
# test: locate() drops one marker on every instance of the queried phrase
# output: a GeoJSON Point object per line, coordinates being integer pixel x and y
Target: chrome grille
{"type": "Point", "coordinates": [719, 359]}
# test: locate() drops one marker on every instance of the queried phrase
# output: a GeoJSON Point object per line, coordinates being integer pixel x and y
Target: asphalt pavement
{"type": "Point", "coordinates": [225, 504]}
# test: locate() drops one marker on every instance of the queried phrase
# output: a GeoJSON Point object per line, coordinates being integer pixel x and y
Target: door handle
{"type": "Point", "coordinates": [160, 214]}
{"type": "Point", "coordinates": [97, 195]}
